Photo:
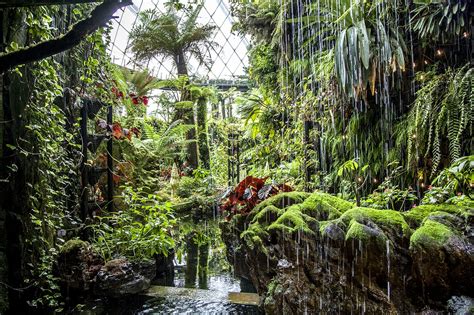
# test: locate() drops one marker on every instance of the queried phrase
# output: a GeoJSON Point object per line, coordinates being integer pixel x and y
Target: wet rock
{"type": "Point", "coordinates": [461, 305]}
{"type": "Point", "coordinates": [284, 264]}
{"type": "Point", "coordinates": [119, 277]}
{"type": "Point", "coordinates": [82, 270]}
{"type": "Point", "coordinates": [324, 255]}
{"type": "Point", "coordinates": [78, 264]}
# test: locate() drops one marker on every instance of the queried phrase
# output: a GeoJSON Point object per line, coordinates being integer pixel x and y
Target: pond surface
{"type": "Point", "coordinates": [192, 290]}
{"type": "Point", "coordinates": [214, 300]}
{"type": "Point", "coordinates": [178, 300]}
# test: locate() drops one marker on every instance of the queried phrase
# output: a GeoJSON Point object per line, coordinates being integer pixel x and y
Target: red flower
{"type": "Point", "coordinates": [117, 131]}
{"type": "Point", "coordinates": [135, 98]}
{"type": "Point", "coordinates": [117, 92]}
{"type": "Point", "coordinates": [135, 131]}
{"type": "Point", "coordinates": [145, 100]}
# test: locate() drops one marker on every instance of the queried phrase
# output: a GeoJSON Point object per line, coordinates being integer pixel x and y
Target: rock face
{"type": "Point", "coordinates": [78, 265]}
{"type": "Point", "coordinates": [119, 277]}
{"type": "Point", "coordinates": [82, 270]}
{"type": "Point", "coordinates": [316, 253]}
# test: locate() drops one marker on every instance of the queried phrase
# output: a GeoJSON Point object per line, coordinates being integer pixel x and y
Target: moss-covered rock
{"type": "Point", "coordinates": [365, 233]}
{"type": "Point", "coordinates": [281, 200]}
{"type": "Point", "coordinates": [343, 248]}
{"type": "Point", "coordinates": [431, 234]}
{"type": "Point", "coordinates": [416, 215]}
{"type": "Point", "coordinates": [73, 247]}
{"type": "Point", "coordinates": [293, 219]}
{"type": "Point", "coordinates": [388, 220]}
{"type": "Point", "coordinates": [78, 264]}
{"type": "Point", "coordinates": [324, 206]}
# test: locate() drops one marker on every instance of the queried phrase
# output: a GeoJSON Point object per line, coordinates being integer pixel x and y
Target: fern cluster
{"type": "Point", "coordinates": [442, 116]}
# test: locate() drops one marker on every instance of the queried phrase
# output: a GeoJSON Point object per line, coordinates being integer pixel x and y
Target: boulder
{"type": "Point", "coordinates": [119, 277]}
{"type": "Point", "coordinates": [321, 254]}
{"type": "Point", "coordinates": [78, 264]}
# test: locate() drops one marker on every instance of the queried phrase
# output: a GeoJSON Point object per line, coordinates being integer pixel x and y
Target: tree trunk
{"type": "Point", "coordinates": [191, 261]}
{"type": "Point", "coordinates": [202, 132]}
{"type": "Point", "coordinates": [187, 114]}
{"type": "Point", "coordinates": [203, 265]}
{"type": "Point", "coordinates": [308, 126]}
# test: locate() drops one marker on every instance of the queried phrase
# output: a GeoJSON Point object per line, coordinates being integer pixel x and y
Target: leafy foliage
{"type": "Point", "coordinates": [443, 111]}
{"type": "Point", "coordinates": [442, 20]}
{"type": "Point", "coordinates": [169, 36]}
{"type": "Point", "coordinates": [458, 177]}
{"type": "Point", "coordinates": [138, 232]}
{"type": "Point", "coordinates": [247, 194]}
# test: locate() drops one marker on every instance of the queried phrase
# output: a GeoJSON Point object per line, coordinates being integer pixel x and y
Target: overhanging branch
{"type": "Point", "coordinates": [98, 18]}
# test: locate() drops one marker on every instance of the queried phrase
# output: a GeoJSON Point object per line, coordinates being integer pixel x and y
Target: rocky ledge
{"type": "Point", "coordinates": [82, 270]}
{"type": "Point", "coordinates": [316, 253]}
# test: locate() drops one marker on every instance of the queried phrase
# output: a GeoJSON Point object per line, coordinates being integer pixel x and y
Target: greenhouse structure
{"type": "Point", "coordinates": [236, 157]}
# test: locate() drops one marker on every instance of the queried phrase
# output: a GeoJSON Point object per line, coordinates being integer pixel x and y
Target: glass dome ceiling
{"type": "Point", "coordinates": [229, 58]}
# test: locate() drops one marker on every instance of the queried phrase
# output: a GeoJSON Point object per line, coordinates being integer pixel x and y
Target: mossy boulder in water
{"type": "Point", "coordinates": [352, 259]}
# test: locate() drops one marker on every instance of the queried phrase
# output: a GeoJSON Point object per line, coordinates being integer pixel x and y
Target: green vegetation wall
{"type": "Point", "coordinates": [388, 84]}
{"type": "Point", "coordinates": [40, 150]}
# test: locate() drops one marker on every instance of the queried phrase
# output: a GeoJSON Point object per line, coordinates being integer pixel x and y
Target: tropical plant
{"type": "Point", "coordinates": [178, 38]}
{"type": "Point", "coordinates": [441, 115]}
{"type": "Point", "coordinates": [458, 177]}
{"type": "Point", "coordinates": [242, 198]}
{"type": "Point", "coordinates": [169, 36]}
{"type": "Point", "coordinates": [158, 147]}
{"type": "Point", "coordinates": [139, 232]}
{"type": "Point", "coordinates": [351, 171]}
{"type": "Point", "coordinates": [367, 43]}
{"type": "Point", "coordinates": [365, 46]}
{"type": "Point", "coordinates": [442, 20]}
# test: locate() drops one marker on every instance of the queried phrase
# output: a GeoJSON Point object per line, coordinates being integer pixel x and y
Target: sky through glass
{"type": "Point", "coordinates": [229, 58]}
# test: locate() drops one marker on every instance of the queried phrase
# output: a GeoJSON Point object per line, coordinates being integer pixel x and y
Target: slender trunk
{"type": "Point", "coordinates": [223, 108]}
{"type": "Point", "coordinates": [202, 132]}
{"type": "Point", "coordinates": [187, 114]}
{"type": "Point", "coordinates": [308, 126]}
{"type": "Point", "coordinates": [203, 264]}
{"type": "Point", "coordinates": [191, 262]}
{"type": "Point", "coordinates": [181, 66]}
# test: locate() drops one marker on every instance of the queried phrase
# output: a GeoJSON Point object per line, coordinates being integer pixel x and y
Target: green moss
{"type": "Point", "coordinates": [361, 232]}
{"type": "Point", "coordinates": [327, 199]}
{"type": "Point", "coordinates": [416, 216]}
{"type": "Point", "coordinates": [292, 220]}
{"type": "Point", "coordinates": [73, 246]}
{"type": "Point", "coordinates": [271, 286]}
{"type": "Point", "coordinates": [383, 218]}
{"type": "Point", "coordinates": [431, 234]}
{"type": "Point", "coordinates": [323, 206]}
{"type": "Point", "coordinates": [282, 200]}
{"type": "Point", "coordinates": [253, 236]}
{"type": "Point", "coordinates": [263, 214]}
